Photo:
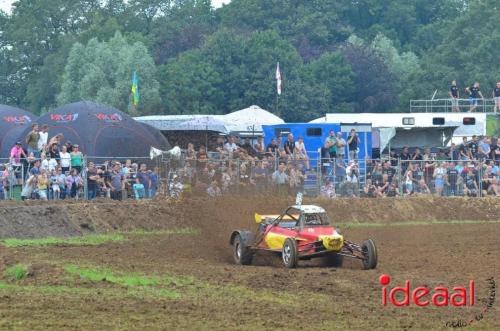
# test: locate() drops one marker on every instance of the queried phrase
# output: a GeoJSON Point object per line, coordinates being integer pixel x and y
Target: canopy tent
{"type": "Point", "coordinates": [250, 119]}
{"type": "Point", "coordinates": [205, 123]}
{"type": "Point", "coordinates": [13, 122]}
{"type": "Point", "coordinates": [102, 131]}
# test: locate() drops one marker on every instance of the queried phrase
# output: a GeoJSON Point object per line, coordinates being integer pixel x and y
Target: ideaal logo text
{"type": "Point", "coordinates": [439, 296]}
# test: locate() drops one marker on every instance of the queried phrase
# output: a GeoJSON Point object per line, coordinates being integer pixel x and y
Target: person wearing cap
{"type": "Point", "coordinates": [16, 153]}
{"type": "Point", "coordinates": [76, 159]}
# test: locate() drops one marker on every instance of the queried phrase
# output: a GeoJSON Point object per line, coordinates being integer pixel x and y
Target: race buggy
{"type": "Point", "coordinates": [302, 232]}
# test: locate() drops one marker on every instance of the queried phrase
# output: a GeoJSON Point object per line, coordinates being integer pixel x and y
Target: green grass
{"type": "Point", "coordinates": [180, 231]}
{"type": "Point", "coordinates": [87, 240]}
{"type": "Point", "coordinates": [133, 281]}
{"type": "Point", "coordinates": [411, 223]}
{"type": "Point", "coordinates": [17, 272]}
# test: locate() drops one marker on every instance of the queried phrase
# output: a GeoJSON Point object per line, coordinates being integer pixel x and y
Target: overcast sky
{"type": "Point", "coordinates": [5, 4]}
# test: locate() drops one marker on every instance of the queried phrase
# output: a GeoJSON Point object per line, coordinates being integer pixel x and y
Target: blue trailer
{"type": "Point", "coordinates": [315, 134]}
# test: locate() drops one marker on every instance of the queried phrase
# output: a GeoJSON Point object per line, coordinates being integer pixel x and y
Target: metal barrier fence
{"type": "Point", "coordinates": [450, 105]}
{"type": "Point", "coordinates": [218, 173]}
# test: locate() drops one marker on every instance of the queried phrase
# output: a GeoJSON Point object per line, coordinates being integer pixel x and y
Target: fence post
{"type": "Point", "coordinates": [84, 178]}
{"type": "Point", "coordinates": [400, 177]}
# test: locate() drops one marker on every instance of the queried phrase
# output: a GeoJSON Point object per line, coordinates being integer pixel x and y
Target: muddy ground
{"type": "Point", "coordinates": [222, 296]}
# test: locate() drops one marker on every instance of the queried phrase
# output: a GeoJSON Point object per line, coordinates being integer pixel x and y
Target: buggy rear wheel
{"type": "Point", "coordinates": [241, 254]}
{"type": "Point", "coordinates": [370, 253]}
{"type": "Point", "coordinates": [289, 254]}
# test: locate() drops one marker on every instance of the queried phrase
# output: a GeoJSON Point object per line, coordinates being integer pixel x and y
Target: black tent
{"type": "Point", "coordinates": [102, 131]}
{"type": "Point", "coordinates": [13, 122]}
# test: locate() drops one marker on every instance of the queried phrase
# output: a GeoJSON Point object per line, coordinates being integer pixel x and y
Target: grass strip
{"type": "Point", "coordinates": [86, 240]}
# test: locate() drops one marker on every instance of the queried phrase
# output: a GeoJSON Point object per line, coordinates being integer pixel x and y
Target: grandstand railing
{"type": "Point", "coordinates": [446, 105]}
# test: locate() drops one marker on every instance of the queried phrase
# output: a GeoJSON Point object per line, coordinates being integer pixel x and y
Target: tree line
{"type": "Point", "coordinates": [335, 56]}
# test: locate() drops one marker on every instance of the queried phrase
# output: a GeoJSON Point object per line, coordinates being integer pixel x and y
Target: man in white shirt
{"type": "Point", "coordinates": [44, 137]}
{"type": "Point", "coordinates": [230, 146]}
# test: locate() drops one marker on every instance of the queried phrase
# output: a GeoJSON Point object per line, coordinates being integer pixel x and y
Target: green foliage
{"type": "Point", "coordinates": [102, 71]}
{"type": "Point", "coordinates": [16, 272]}
{"type": "Point", "coordinates": [88, 240]}
{"type": "Point", "coordinates": [366, 55]}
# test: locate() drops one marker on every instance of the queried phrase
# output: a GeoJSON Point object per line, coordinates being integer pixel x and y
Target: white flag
{"type": "Point", "coordinates": [278, 79]}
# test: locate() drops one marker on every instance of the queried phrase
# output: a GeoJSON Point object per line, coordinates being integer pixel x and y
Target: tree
{"type": "Point", "coordinates": [102, 71]}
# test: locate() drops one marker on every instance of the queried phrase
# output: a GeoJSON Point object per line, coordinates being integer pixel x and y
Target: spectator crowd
{"type": "Point", "coordinates": [284, 166]}
{"type": "Point", "coordinates": [52, 169]}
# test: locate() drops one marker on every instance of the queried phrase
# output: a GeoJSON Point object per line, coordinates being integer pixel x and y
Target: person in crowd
{"type": "Point", "coordinates": [176, 187]}
{"type": "Point", "coordinates": [352, 179]}
{"type": "Point", "coordinates": [29, 188]}
{"type": "Point", "coordinates": [353, 143]}
{"type": "Point", "coordinates": [474, 95]}
{"type": "Point", "coordinates": [471, 188]}
{"type": "Point", "coordinates": [16, 155]}
{"type": "Point", "coordinates": [144, 179]}
{"type": "Point", "coordinates": [92, 181]}
{"type": "Point", "coordinates": [272, 147]}
{"type": "Point", "coordinates": [259, 146]}
{"type": "Point", "coordinates": [408, 181]}
{"type": "Point", "coordinates": [328, 190]}
{"type": "Point", "coordinates": [55, 190]}
{"type": "Point", "coordinates": [280, 180]}
{"type": "Point", "coordinates": [295, 180]}
{"type": "Point", "coordinates": [405, 157]}
{"type": "Point", "coordinates": [439, 178]}
{"type": "Point", "coordinates": [74, 183]}
{"type": "Point", "coordinates": [454, 153]}
{"type": "Point", "coordinates": [260, 176]}
{"type": "Point", "coordinates": [35, 169]}
{"type": "Point", "coordinates": [191, 154]}
{"type": "Point", "coordinates": [139, 190]}
{"type": "Point", "coordinates": [202, 158]}
{"type": "Point", "coordinates": [418, 155]}
{"type": "Point", "coordinates": [154, 182]}
{"type": "Point", "coordinates": [42, 185]}
{"type": "Point", "coordinates": [116, 182]}
{"type": "Point", "coordinates": [370, 190]}
{"type": "Point", "coordinates": [65, 160]}
{"type": "Point", "coordinates": [496, 97]}
{"type": "Point", "coordinates": [289, 145]}
{"type": "Point", "coordinates": [61, 181]}
{"type": "Point", "coordinates": [331, 144]}
{"type": "Point", "coordinates": [484, 149]}
{"type": "Point", "coordinates": [473, 148]}
{"type": "Point", "coordinates": [56, 140]}
{"type": "Point", "coordinates": [452, 179]}
{"type": "Point", "coordinates": [54, 152]}
{"type": "Point", "coordinates": [219, 145]}
{"type": "Point", "coordinates": [32, 140]}
{"type": "Point", "coordinates": [76, 159]}
{"type": "Point", "coordinates": [463, 150]}
{"type": "Point", "coordinates": [495, 149]}
{"type": "Point", "coordinates": [230, 147]}
{"type": "Point", "coordinates": [213, 189]}
{"type": "Point", "coordinates": [340, 144]}
{"type": "Point", "coordinates": [421, 188]}
{"type": "Point", "coordinates": [43, 137]}
{"type": "Point", "coordinates": [454, 94]}
{"type": "Point", "coordinates": [300, 152]}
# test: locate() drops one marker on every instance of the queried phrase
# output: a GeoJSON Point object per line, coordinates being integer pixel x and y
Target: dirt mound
{"type": "Point", "coordinates": [216, 218]}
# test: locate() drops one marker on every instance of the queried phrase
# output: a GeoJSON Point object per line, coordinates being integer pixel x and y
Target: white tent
{"type": "Point", "coordinates": [250, 120]}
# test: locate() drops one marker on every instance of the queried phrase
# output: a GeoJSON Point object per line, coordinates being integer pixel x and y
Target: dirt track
{"type": "Point", "coordinates": [309, 297]}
